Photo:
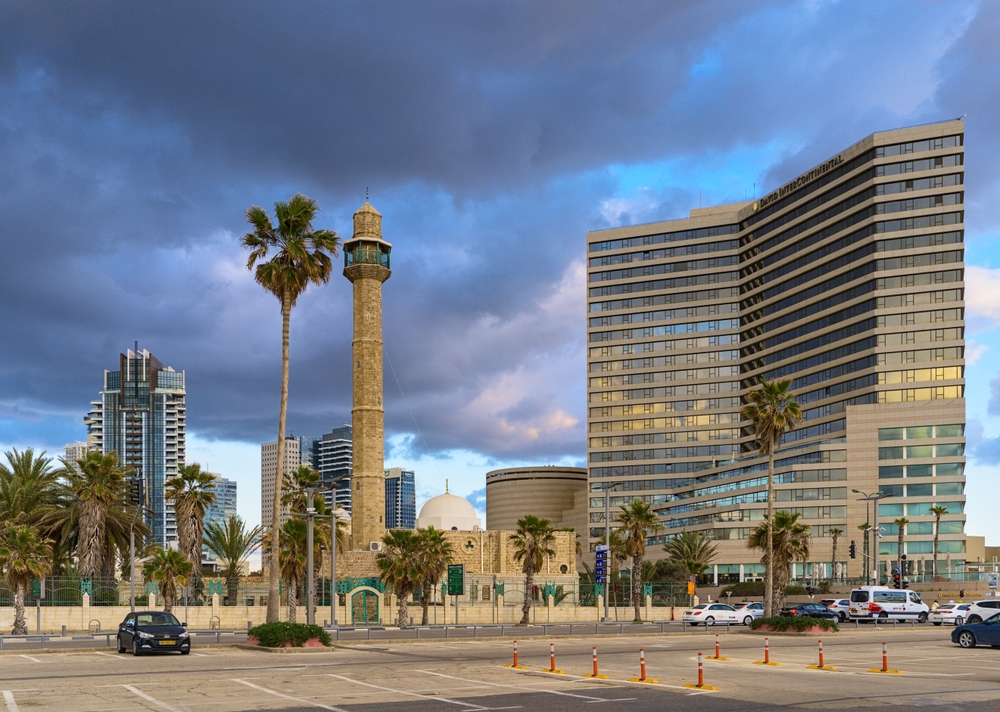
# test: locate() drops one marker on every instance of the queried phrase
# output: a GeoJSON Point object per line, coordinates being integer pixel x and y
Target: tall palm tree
{"type": "Point", "coordinates": [24, 556]}
{"type": "Point", "coordinates": [772, 411]}
{"type": "Point", "coordinates": [170, 569]}
{"type": "Point", "coordinates": [292, 561]}
{"type": "Point", "coordinates": [435, 555]}
{"type": "Point", "coordinates": [232, 543]}
{"type": "Point", "coordinates": [835, 532]}
{"type": "Point", "coordinates": [302, 257]}
{"type": "Point", "coordinates": [693, 551]}
{"type": "Point", "coordinates": [29, 488]}
{"type": "Point", "coordinates": [192, 492]}
{"type": "Point", "coordinates": [532, 541]}
{"type": "Point", "coordinates": [787, 541]}
{"type": "Point", "coordinates": [938, 511]}
{"type": "Point", "coordinates": [399, 566]}
{"type": "Point", "coordinates": [635, 520]}
{"type": "Point", "coordinates": [901, 525]}
{"type": "Point", "coordinates": [98, 485]}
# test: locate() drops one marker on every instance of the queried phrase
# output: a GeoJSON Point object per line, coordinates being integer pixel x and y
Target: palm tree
{"type": "Point", "coordinates": [232, 544]}
{"type": "Point", "coordinates": [435, 555]}
{"type": "Point", "coordinates": [532, 541]}
{"type": "Point", "coordinates": [788, 541]}
{"type": "Point", "coordinates": [170, 569]}
{"type": "Point", "coordinates": [901, 525]}
{"type": "Point", "coordinates": [693, 551]}
{"type": "Point", "coordinates": [98, 485]}
{"type": "Point", "coordinates": [192, 492]}
{"type": "Point", "coordinates": [24, 556]}
{"type": "Point", "coordinates": [835, 533]}
{"type": "Point", "coordinates": [938, 511]}
{"type": "Point", "coordinates": [302, 258]}
{"type": "Point", "coordinates": [29, 488]}
{"type": "Point", "coordinates": [399, 566]}
{"type": "Point", "coordinates": [772, 411]}
{"type": "Point", "coordinates": [293, 561]}
{"type": "Point", "coordinates": [635, 520]}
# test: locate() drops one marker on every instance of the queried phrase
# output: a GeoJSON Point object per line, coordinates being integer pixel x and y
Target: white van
{"type": "Point", "coordinates": [884, 603]}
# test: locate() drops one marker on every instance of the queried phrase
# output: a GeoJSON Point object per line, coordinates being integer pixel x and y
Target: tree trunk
{"type": "Point", "coordinates": [937, 525]}
{"type": "Point", "coordinates": [769, 572]}
{"type": "Point", "coordinates": [233, 590]}
{"type": "Point", "coordinates": [402, 617]}
{"type": "Point", "coordinates": [91, 544]}
{"type": "Point", "coordinates": [637, 586]}
{"type": "Point", "coordinates": [833, 566]}
{"type": "Point", "coordinates": [899, 555]}
{"type": "Point", "coordinates": [426, 590]}
{"type": "Point", "coordinates": [272, 584]}
{"type": "Point", "coordinates": [293, 600]}
{"type": "Point", "coordinates": [529, 582]}
{"type": "Point", "coordinates": [20, 627]}
{"type": "Point", "coordinates": [168, 596]}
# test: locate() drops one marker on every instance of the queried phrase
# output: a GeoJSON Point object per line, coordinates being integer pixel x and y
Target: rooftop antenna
{"type": "Point", "coordinates": [366, 193]}
{"type": "Point", "coordinates": [446, 486]}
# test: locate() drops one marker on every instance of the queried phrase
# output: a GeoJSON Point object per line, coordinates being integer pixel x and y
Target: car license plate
{"type": "Point", "coordinates": [168, 642]}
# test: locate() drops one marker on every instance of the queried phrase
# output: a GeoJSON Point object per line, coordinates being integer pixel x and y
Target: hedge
{"type": "Point", "coordinates": [797, 623]}
{"type": "Point", "coordinates": [276, 635]}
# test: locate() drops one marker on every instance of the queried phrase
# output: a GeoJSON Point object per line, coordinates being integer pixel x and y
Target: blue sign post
{"type": "Point", "coordinates": [601, 573]}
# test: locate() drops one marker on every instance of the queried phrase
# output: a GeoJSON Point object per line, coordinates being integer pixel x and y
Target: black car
{"type": "Point", "coordinates": [150, 631]}
{"type": "Point", "coordinates": [986, 632]}
{"type": "Point", "coordinates": [812, 610]}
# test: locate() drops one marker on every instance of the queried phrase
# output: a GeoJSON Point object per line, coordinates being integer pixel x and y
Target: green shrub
{"type": "Point", "coordinates": [276, 635]}
{"type": "Point", "coordinates": [797, 623]}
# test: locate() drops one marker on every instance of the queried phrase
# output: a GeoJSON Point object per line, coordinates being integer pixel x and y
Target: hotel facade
{"type": "Point", "coordinates": [848, 281]}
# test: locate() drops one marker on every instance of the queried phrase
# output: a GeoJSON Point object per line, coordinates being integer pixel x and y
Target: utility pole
{"type": "Point", "coordinates": [310, 573]}
{"type": "Point", "coordinates": [333, 558]}
{"type": "Point", "coordinates": [137, 493]}
{"type": "Point", "coordinates": [607, 542]}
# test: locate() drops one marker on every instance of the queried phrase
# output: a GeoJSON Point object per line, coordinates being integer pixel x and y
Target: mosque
{"type": "Point", "coordinates": [488, 555]}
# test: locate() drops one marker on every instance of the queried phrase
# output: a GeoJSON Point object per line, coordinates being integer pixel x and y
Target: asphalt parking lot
{"type": "Point", "coordinates": [469, 674]}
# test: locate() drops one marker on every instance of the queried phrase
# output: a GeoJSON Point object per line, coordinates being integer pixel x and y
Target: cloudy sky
{"type": "Point", "coordinates": [492, 137]}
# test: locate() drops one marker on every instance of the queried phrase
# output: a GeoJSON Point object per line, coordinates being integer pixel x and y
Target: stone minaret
{"type": "Point", "coordinates": [366, 264]}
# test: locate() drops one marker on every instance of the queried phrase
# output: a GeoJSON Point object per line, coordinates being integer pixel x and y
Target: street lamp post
{"type": "Point", "coordinates": [310, 573]}
{"type": "Point", "coordinates": [874, 497]}
{"type": "Point", "coordinates": [607, 541]}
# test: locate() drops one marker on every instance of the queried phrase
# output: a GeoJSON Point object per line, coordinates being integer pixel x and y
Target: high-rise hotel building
{"type": "Point", "coordinates": [848, 280]}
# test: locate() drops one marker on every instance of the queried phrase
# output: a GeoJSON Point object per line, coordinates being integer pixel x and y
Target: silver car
{"type": "Point", "coordinates": [746, 612]}
{"type": "Point", "coordinates": [840, 606]}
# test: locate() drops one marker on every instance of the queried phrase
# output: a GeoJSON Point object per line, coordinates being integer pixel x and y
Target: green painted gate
{"type": "Point", "coordinates": [364, 607]}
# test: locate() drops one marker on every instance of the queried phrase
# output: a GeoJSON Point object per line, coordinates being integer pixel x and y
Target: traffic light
{"type": "Point", "coordinates": [895, 579]}
{"type": "Point", "coordinates": [853, 550]}
{"type": "Point", "coordinates": [137, 491]}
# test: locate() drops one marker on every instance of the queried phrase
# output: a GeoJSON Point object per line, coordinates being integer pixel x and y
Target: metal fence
{"type": "Point", "coordinates": [67, 591]}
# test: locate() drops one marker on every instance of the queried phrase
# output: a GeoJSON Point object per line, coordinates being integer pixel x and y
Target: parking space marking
{"type": "Point", "coordinates": [8, 697]}
{"type": "Point", "coordinates": [411, 694]}
{"type": "Point", "coordinates": [289, 697]}
{"type": "Point", "coordinates": [139, 693]}
{"type": "Point", "coordinates": [522, 688]}
{"type": "Point", "coordinates": [34, 660]}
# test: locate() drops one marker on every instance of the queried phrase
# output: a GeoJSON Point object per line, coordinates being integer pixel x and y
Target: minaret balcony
{"type": "Point", "coordinates": [366, 253]}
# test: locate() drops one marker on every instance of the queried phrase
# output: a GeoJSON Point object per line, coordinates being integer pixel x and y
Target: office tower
{"type": "Point", "coordinates": [224, 505]}
{"type": "Point", "coordinates": [848, 280]}
{"type": "Point", "coordinates": [333, 458]}
{"type": "Point", "coordinates": [400, 499]}
{"type": "Point", "coordinates": [141, 416]}
{"type": "Point", "coordinates": [76, 451]}
{"type": "Point", "coordinates": [366, 264]}
{"type": "Point", "coordinates": [268, 471]}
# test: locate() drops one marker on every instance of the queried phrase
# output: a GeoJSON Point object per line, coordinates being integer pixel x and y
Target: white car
{"type": "Point", "coordinates": [952, 613]}
{"type": "Point", "coordinates": [746, 612]}
{"type": "Point", "coordinates": [840, 606]}
{"type": "Point", "coordinates": [882, 603]}
{"type": "Point", "coordinates": [710, 614]}
{"type": "Point", "coordinates": [980, 611]}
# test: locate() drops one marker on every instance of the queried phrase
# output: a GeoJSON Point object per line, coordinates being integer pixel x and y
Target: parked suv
{"type": "Point", "coordinates": [980, 611]}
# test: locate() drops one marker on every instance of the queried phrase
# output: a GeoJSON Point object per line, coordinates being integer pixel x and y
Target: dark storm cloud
{"type": "Point", "coordinates": [133, 136]}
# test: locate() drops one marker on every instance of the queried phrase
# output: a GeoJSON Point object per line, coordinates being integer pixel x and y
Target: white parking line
{"type": "Point", "coordinates": [288, 697]}
{"type": "Point", "coordinates": [34, 660]}
{"type": "Point", "coordinates": [139, 693]}
{"type": "Point", "coordinates": [522, 688]}
{"type": "Point", "coordinates": [411, 694]}
{"type": "Point", "coordinates": [8, 697]}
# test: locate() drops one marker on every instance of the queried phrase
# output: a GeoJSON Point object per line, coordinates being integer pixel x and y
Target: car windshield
{"type": "Point", "coordinates": [946, 607]}
{"type": "Point", "coordinates": [994, 620]}
{"type": "Point", "coordinates": [156, 618]}
{"type": "Point", "coordinates": [859, 596]}
{"type": "Point", "coordinates": [700, 606]}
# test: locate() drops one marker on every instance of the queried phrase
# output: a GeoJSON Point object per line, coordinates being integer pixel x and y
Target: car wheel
{"type": "Point", "coordinates": [975, 619]}
{"type": "Point", "coordinates": [185, 651]}
{"type": "Point", "coordinates": [709, 621]}
{"type": "Point", "coordinates": [842, 616]}
{"type": "Point", "coordinates": [748, 620]}
{"type": "Point", "coordinates": [883, 616]}
{"type": "Point", "coordinates": [937, 624]}
{"type": "Point", "coordinates": [959, 621]}
{"type": "Point", "coordinates": [922, 618]}
{"type": "Point", "coordinates": [966, 639]}
{"type": "Point", "coordinates": [135, 647]}
{"type": "Point", "coordinates": [121, 646]}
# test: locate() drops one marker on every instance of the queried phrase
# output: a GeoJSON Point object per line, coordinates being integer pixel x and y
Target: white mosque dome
{"type": "Point", "coordinates": [447, 511]}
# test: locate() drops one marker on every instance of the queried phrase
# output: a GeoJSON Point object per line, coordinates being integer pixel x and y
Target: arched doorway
{"type": "Point", "coordinates": [365, 606]}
